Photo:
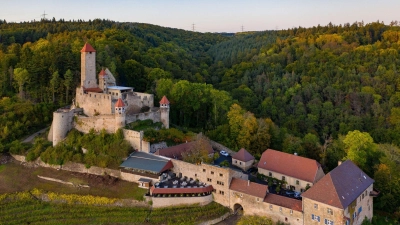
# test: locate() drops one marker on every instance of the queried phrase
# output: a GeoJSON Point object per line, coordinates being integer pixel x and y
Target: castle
{"type": "Point", "coordinates": [101, 104]}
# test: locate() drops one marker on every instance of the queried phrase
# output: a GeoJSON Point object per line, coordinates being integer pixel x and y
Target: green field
{"type": "Point", "coordinates": [30, 211]}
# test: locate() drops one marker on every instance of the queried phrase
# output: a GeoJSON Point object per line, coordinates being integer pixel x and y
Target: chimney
{"type": "Point", "coordinates": [295, 153]}
{"type": "Point", "coordinates": [248, 182]}
{"type": "Point", "coordinates": [339, 163]}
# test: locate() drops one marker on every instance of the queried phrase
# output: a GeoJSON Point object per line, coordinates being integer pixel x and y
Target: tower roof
{"type": "Point", "coordinates": [88, 48]}
{"type": "Point", "coordinates": [119, 103]}
{"type": "Point", "coordinates": [164, 100]}
{"type": "Point", "coordinates": [102, 73]}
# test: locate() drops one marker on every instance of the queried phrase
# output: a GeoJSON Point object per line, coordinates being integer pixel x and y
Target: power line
{"type": "Point", "coordinates": [242, 28]}
{"type": "Point", "coordinates": [193, 26]}
{"type": "Point", "coordinates": [44, 15]}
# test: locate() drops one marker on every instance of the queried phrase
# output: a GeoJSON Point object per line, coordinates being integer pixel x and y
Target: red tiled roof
{"type": "Point", "coordinates": [289, 164]}
{"type": "Point", "coordinates": [96, 89]}
{"type": "Point", "coordinates": [88, 48]}
{"type": "Point", "coordinates": [243, 155]}
{"type": "Point", "coordinates": [341, 186]}
{"type": "Point", "coordinates": [247, 187]}
{"type": "Point", "coordinates": [167, 166]}
{"type": "Point", "coordinates": [102, 73]}
{"type": "Point", "coordinates": [175, 152]}
{"type": "Point", "coordinates": [283, 201]}
{"type": "Point", "coordinates": [154, 190]}
{"type": "Point", "coordinates": [119, 103]}
{"type": "Point", "coordinates": [164, 100]}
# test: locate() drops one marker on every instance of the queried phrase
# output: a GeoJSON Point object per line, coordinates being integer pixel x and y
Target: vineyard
{"type": "Point", "coordinates": [24, 208]}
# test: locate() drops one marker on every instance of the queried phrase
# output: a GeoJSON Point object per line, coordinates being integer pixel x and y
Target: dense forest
{"type": "Point", "coordinates": [327, 92]}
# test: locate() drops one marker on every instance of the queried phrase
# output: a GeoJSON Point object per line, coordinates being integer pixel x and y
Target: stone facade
{"type": "Point", "coordinates": [243, 165]}
{"type": "Point", "coordinates": [296, 183]}
{"type": "Point", "coordinates": [175, 201]}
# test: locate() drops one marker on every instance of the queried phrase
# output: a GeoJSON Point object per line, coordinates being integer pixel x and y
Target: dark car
{"type": "Point", "coordinates": [252, 170]}
{"type": "Point", "coordinates": [289, 193]}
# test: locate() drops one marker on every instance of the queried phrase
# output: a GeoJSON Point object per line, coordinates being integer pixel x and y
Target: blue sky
{"type": "Point", "coordinates": [208, 15]}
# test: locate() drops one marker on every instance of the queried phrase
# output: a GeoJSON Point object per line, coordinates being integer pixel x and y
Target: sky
{"type": "Point", "coordinates": [208, 15]}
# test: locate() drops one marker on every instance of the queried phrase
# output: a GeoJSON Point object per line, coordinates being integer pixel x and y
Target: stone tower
{"type": "Point", "coordinates": [102, 81]}
{"type": "Point", "coordinates": [88, 67]}
{"type": "Point", "coordinates": [164, 108]}
{"type": "Point", "coordinates": [119, 114]}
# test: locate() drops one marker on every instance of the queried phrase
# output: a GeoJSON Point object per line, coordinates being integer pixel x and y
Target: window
{"type": "Point", "coordinates": [291, 211]}
{"type": "Point", "coordinates": [212, 172]}
{"type": "Point", "coordinates": [315, 218]}
{"type": "Point", "coordinates": [315, 206]}
{"type": "Point", "coordinates": [363, 196]}
{"type": "Point", "coordinates": [258, 199]}
{"type": "Point", "coordinates": [328, 222]}
{"type": "Point", "coordinates": [236, 161]}
{"type": "Point", "coordinates": [360, 198]}
{"type": "Point", "coordinates": [297, 182]}
{"type": "Point", "coordinates": [195, 174]}
{"type": "Point", "coordinates": [283, 178]}
{"type": "Point", "coordinates": [221, 192]}
{"type": "Point", "coordinates": [220, 183]}
{"type": "Point", "coordinates": [240, 163]}
{"type": "Point", "coordinates": [241, 195]}
{"type": "Point", "coordinates": [360, 210]}
{"type": "Point", "coordinates": [204, 170]}
{"type": "Point", "coordinates": [270, 207]}
{"type": "Point", "coordinates": [280, 209]}
{"type": "Point", "coordinates": [347, 222]}
{"type": "Point", "coordinates": [354, 215]}
{"type": "Point", "coordinates": [329, 210]}
{"type": "Point", "coordinates": [221, 175]}
{"type": "Point", "coordinates": [209, 179]}
{"type": "Point", "coordinates": [270, 174]}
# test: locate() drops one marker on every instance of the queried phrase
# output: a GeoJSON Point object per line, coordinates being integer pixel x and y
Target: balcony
{"type": "Point", "coordinates": [374, 193]}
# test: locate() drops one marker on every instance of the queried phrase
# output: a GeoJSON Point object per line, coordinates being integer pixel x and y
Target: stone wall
{"type": "Point", "coordinates": [220, 147]}
{"type": "Point", "coordinates": [62, 123]}
{"type": "Point", "coordinates": [217, 220]}
{"type": "Point", "coordinates": [219, 177]}
{"type": "Point", "coordinates": [135, 177]}
{"type": "Point", "coordinates": [94, 102]}
{"type": "Point", "coordinates": [155, 116]}
{"type": "Point", "coordinates": [107, 122]}
{"type": "Point", "coordinates": [134, 138]}
{"type": "Point", "coordinates": [243, 165]}
{"type": "Point", "coordinates": [157, 146]}
{"type": "Point", "coordinates": [175, 201]}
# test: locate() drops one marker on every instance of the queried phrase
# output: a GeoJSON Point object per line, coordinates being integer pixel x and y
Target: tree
{"type": "Point", "coordinates": [54, 83]}
{"type": "Point", "coordinates": [198, 152]}
{"type": "Point", "coordinates": [68, 79]}
{"type": "Point", "coordinates": [359, 146]}
{"type": "Point", "coordinates": [22, 77]}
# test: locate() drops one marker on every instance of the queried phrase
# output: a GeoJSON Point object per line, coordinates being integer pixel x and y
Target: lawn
{"type": "Point", "coordinates": [16, 178]}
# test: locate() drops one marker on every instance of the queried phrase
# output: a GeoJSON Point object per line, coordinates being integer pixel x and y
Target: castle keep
{"type": "Point", "coordinates": [101, 104]}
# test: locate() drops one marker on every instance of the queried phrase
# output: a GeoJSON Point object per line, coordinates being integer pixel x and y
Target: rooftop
{"type": "Point", "coordinates": [248, 187]}
{"type": "Point", "coordinates": [164, 100]}
{"type": "Point", "coordinates": [119, 103]}
{"type": "Point", "coordinates": [300, 167]}
{"type": "Point", "coordinates": [88, 48]}
{"type": "Point", "coordinates": [243, 155]}
{"type": "Point", "coordinates": [175, 152]}
{"type": "Point", "coordinates": [119, 88]}
{"type": "Point", "coordinates": [341, 186]}
{"type": "Point", "coordinates": [147, 162]}
{"type": "Point", "coordinates": [286, 202]}
{"type": "Point", "coordinates": [96, 89]}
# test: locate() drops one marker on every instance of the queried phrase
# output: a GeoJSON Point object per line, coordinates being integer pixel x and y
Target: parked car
{"type": "Point", "coordinates": [289, 193]}
{"type": "Point", "coordinates": [224, 153]}
{"type": "Point", "coordinates": [252, 170]}
{"type": "Point", "coordinates": [297, 195]}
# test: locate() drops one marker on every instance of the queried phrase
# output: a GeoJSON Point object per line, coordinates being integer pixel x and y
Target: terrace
{"type": "Point", "coordinates": [172, 186]}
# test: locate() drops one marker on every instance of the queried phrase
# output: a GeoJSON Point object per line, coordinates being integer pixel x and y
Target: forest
{"type": "Point", "coordinates": [326, 92]}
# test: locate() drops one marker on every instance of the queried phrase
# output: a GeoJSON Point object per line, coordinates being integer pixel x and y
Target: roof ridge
{"type": "Point", "coordinates": [334, 187]}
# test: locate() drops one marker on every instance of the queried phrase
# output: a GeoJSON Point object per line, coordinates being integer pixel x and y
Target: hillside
{"type": "Point", "coordinates": [314, 91]}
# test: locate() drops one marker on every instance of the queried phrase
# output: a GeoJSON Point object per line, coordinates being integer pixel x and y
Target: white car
{"type": "Point", "coordinates": [224, 153]}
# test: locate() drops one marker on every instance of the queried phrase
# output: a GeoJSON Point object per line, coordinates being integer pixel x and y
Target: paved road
{"type": "Point", "coordinates": [31, 137]}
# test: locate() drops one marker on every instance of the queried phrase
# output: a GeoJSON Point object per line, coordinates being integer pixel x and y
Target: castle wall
{"type": "Point", "coordinates": [62, 123]}
{"type": "Point", "coordinates": [155, 116]}
{"type": "Point", "coordinates": [84, 124]}
{"type": "Point", "coordinates": [175, 201]}
{"type": "Point", "coordinates": [134, 138]}
{"type": "Point", "coordinates": [164, 116]}
{"type": "Point", "coordinates": [94, 103]}
{"type": "Point", "coordinates": [146, 99]}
